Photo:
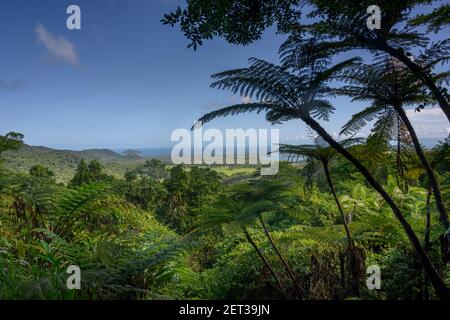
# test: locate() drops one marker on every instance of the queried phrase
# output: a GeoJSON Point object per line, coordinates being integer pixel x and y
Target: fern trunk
{"type": "Point", "coordinates": [280, 256]}
{"type": "Point", "coordinates": [422, 75]}
{"type": "Point", "coordinates": [351, 251]}
{"type": "Point", "coordinates": [438, 283]}
{"type": "Point", "coordinates": [426, 244]}
{"type": "Point", "coordinates": [265, 262]}
{"type": "Point", "coordinates": [426, 241]}
{"type": "Point", "coordinates": [336, 199]}
{"type": "Point", "coordinates": [431, 176]}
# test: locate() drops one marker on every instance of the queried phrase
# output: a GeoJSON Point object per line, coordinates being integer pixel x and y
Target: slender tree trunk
{"type": "Point", "coordinates": [266, 263]}
{"type": "Point", "coordinates": [431, 176]}
{"type": "Point", "coordinates": [398, 160]}
{"type": "Point", "coordinates": [438, 283]}
{"type": "Point", "coordinates": [401, 180]}
{"type": "Point", "coordinates": [444, 249]}
{"type": "Point", "coordinates": [338, 203]}
{"type": "Point", "coordinates": [426, 242]}
{"type": "Point", "coordinates": [342, 270]}
{"type": "Point", "coordinates": [285, 264]}
{"type": "Point", "coordinates": [351, 249]}
{"type": "Point", "coordinates": [422, 75]}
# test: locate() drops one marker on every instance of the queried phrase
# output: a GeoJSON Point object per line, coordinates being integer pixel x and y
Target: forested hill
{"type": "Point", "coordinates": [64, 162]}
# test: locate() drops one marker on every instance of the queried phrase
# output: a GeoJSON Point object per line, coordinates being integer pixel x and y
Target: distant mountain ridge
{"type": "Point", "coordinates": [100, 154]}
{"type": "Point", "coordinates": [64, 162]}
{"type": "Point", "coordinates": [88, 154]}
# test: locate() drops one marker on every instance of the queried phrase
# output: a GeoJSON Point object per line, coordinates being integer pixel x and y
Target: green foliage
{"type": "Point", "coordinates": [40, 171]}
{"type": "Point", "coordinates": [65, 162]}
{"type": "Point", "coordinates": [89, 173]}
{"type": "Point", "coordinates": [441, 156]}
{"type": "Point", "coordinates": [186, 191]}
{"type": "Point", "coordinates": [439, 18]}
{"type": "Point", "coordinates": [123, 252]}
{"type": "Point", "coordinates": [145, 192]}
{"type": "Point", "coordinates": [10, 141]}
{"type": "Point", "coordinates": [240, 22]}
{"type": "Point", "coordinates": [140, 229]}
{"type": "Point", "coordinates": [153, 168]}
{"type": "Point", "coordinates": [113, 231]}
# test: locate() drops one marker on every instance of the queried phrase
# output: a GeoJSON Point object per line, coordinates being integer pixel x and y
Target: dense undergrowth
{"type": "Point", "coordinates": [173, 233]}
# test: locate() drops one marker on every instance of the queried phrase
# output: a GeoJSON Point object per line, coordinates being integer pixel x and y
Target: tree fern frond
{"type": "Point", "coordinates": [238, 109]}
{"type": "Point", "coordinates": [360, 120]}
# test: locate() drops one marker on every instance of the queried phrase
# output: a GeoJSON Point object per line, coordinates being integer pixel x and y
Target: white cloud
{"type": "Point", "coordinates": [212, 105]}
{"type": "Point", "coordinates": [429, 122]}
{"type": "Point", "coordinates": [57, 45]}
{"type": "Point", "coordinates": [246, 99]}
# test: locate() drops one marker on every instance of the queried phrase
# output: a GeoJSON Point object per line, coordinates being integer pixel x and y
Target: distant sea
{"type": "Point", "coordinates": [161, 152]}
{"type": "Point", "coordinates": [430, 142]}
{"type": "Point", "coordinates": [166, 152]}
{"type": "Point", "coordinates": [148, 152]}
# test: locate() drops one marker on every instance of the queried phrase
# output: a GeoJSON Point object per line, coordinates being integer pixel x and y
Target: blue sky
{"type": "Point", "coordinates": [124, 79]}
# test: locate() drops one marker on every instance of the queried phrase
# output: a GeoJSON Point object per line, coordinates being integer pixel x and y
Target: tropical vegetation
{"type": "Point", "coordinates": [154, 230]}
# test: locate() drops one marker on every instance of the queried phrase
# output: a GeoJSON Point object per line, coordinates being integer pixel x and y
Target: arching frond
{"type": "Point", "coordinates": [317, 151]}
{"type": "Point", "coordinates": [360, 120]}
{"type": "Point", "coordinates": [301, 150]}
{"type": "Point", "coordinates": [274, 112]}
{"type": "Point", "coordinates": [262, 80]}
{"type": "Point", "coordinates": [296, 53]}
{"type": "Point", "coordinates": [340, 67]}
{"type": "Point", "coordinates": [443, 78]}
{"type": "Point", "coordinates": [251, 212]}
{"type": "Point", "coordinates": [384, 128]}
{"type": "Point", "coordinates": [281, 94]}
